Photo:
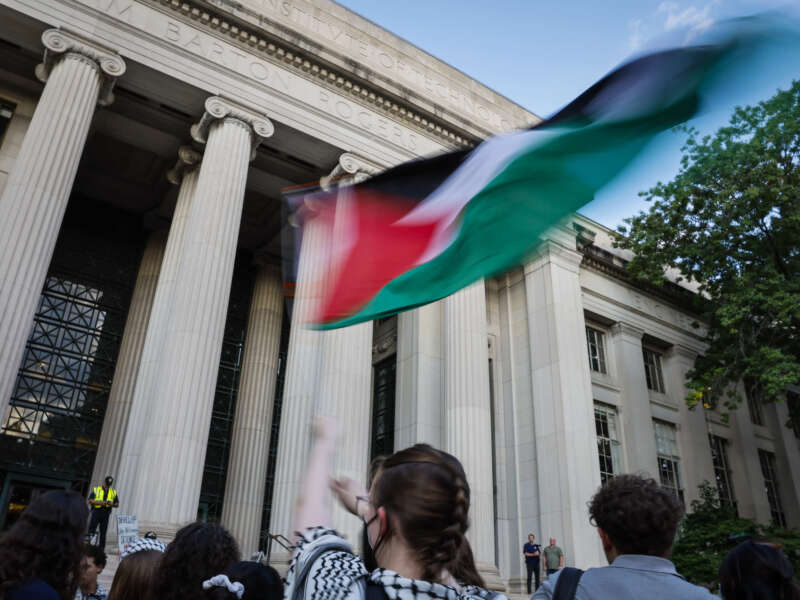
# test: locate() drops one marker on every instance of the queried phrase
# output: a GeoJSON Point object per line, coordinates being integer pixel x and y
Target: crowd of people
{"type": "Point", "coordinates": [415, 519]}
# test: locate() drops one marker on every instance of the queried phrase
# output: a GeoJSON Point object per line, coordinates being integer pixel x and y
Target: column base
{"type": "Point", "coordinates": [491, 576]}
{"type": "Point", "coordinates": [517, 586]}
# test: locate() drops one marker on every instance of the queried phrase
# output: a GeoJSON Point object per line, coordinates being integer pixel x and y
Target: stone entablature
{"type": "Point", "coordinates": [303, 57]}
{"type": "Point", "coordinates": [356, 45]}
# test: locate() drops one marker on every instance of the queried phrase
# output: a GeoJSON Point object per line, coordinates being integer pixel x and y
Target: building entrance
{"type": "Point", "coordinates": [16, 497]}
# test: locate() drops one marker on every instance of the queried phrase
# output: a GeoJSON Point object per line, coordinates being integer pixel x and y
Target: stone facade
{"type": "Point", "coordinates": [543, 381]}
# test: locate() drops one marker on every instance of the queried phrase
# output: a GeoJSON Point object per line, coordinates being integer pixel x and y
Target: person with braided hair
{"type": "Point", "coordinates": [416, 517]}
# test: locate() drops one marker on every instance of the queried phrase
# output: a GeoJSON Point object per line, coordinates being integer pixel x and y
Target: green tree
{"type": "Point", "coordinates": [730, 223]}
{"type": "Point", "coordinates": [712, 529]}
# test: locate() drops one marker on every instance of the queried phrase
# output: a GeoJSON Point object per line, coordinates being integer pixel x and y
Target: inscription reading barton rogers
{"type": "Point", "coordinates": [235, 60]}
{"type": "Point", "coordinates": [383, 58]}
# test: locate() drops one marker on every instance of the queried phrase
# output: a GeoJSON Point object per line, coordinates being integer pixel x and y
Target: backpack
{"type": "Point", "coordinates": [567, 584]}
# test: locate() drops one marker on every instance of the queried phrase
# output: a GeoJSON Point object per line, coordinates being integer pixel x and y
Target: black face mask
{"type": "Point", "coordinates": [367, 554]}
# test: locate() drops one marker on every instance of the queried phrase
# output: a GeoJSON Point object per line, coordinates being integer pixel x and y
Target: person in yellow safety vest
{"type": "Point", "coordinates": [101, 500]}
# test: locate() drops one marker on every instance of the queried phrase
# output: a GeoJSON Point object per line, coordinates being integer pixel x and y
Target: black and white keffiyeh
{"type": "Point", "coordinates": [324, 568]}
{"type": "Point", "coordinates": [143, 544]}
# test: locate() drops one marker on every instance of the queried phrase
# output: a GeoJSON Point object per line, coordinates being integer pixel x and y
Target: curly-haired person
{"type": "Point", "coordinates": [198, 552]}
{"type": "Point", "coordinates": [40, 556]}
{"type": "Point", "coordinates": [415, 515]}
{"type": "Point", "coordinates": [636, 521]}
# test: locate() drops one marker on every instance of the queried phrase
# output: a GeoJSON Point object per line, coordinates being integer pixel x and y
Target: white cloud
{"type": "Point", "coordinates": [636, 38]}
{"type": "Point", "coordinates": [693, 19]}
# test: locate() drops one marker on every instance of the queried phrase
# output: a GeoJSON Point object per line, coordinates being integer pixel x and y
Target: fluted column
{"type": "Point", "coordinates": [467, 410]}
{"type": "Point", "coordinates": [418, 413]}
{"type": "Point", "coordinates": [126, 371]}
{"type": "Point", "coordinates": [247, 464]}
{"type": "Point", "coordinates": [185, 174]}
{"type": "Point", "coordinates": [327, 372]}
{"type": "Point", "coordinates": [303, 362]}
{"type": "Point", "coordinates": [78, 75]}
{"type": "Point", "coordinates": [345, 392]}
{"type": "Point", "coordinates": [175, 439]}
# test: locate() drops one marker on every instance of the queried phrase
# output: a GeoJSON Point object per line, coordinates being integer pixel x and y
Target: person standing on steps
{"type": "Point", "coordinates": [532, 551]}
{"type": "Point", "coordinates": [101, 500]}
{"type": "Point", "coordinates": [553, 558]}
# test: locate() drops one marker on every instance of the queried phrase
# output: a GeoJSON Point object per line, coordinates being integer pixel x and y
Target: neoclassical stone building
{"type": "Point", "coordinates": [148, 333]}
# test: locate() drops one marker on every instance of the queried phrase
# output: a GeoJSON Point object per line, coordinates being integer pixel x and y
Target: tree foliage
{"type": "Point", "coordinates": [712, 529]}
{"type": "Point", "coordinates": [730, 222]}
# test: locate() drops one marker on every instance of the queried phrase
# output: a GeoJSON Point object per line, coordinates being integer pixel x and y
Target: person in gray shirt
{"type": "Point", "coordinates": [636, 521]}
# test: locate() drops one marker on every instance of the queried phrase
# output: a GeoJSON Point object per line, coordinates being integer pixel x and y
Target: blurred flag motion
{"type": "Point", "coordinates": [423, 230]}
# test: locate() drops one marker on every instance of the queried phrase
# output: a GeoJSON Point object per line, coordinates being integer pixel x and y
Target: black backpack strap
{"type": "Point", "coordinates": [567, 583]}
{"type": "Point", "coordinates": [375, 591]}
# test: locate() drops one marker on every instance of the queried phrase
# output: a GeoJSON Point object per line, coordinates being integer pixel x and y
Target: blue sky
{"type": "Point", "coordinates": [543, 53]}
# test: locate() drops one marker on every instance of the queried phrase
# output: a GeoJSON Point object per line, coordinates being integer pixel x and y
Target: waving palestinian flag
{"type": "Point", "coordinates": [423, 230]}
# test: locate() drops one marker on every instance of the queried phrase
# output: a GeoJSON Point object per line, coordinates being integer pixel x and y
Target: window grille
{"type": "Point", "coordinates": [596, 349]}
{"type": "Point", "coordinates": [652, 370]}
{"type": "Point", "coordinates": [608, 445]}
{"type": "Point", "coordinates": [668, 458]}
{"type": "Point", "coordinates": [722, 470]}
{"type": "Point", "coordinates": [769, 472]}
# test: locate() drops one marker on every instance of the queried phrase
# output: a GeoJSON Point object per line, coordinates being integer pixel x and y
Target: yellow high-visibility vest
{"type": "Point", "coordinates": [98, 494]}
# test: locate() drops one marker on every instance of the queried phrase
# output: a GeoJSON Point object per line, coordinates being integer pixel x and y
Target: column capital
{"type": "Point", "coordinates": [59, 43]}
{"type": "Point", "coordinates": [549, 251]}
{"type": "Point", "coordinates": [627, 330]}
{"type": "Point", "coordinates": [188, 160]}
{"type": "Point", "coordinates": [219, 108]}
{"type": "Point", "coordinates": [351, 168]}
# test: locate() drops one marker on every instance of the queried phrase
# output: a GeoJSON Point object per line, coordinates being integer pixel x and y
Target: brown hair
{"type": "Point", "coordinates": [135, 576]}
{"type": "Point", "coordinates": [199, 551]}
{"type": "Point", "coordinates": [45, 543]}
{"type": "Point", "coordinates": [638, 515]}
{"type": "Point", "coordinates": [426, 496]}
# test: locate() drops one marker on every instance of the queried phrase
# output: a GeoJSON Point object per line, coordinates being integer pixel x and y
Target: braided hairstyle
{"type": "Point", "coordinates": [45, 543]}
{"type": "Point", "coordinates": [426, 496]}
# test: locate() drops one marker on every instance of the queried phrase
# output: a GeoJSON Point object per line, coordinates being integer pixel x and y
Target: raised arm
{"type": "Point", "coordinates": [314, 503]}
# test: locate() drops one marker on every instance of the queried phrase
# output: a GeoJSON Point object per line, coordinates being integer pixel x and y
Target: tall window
{"type": "Point", "coordinates": [768, 470]}
{"type": "Point", "coordinates": [652, 370]}
{"type": "Point", "coordinates": [754, 406]}
{"type": "Point", "coordinates": [668, 458]}
{"type": "Point", "coordinates": [383, 388]}
{"type": "Point", "coordinates": [722, 470]}
{"type": "Point", "coordinates": [608, 446]}
{"type": "Point", "coordinates": [6, 112]}
{"type": "Point", "coordinates": [597, 353]}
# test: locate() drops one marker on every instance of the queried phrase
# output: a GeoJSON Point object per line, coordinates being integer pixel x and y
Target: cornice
{"type": "Point", "coordinates": [60, 44]}
{"type": "Point", "coordinates": [306, 65]}
{"type": "Point", "coordinates": [602, 261]}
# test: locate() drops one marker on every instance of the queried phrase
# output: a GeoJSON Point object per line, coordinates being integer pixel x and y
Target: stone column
{"type": "Point", "coordinates": [640, 442]}
{"type": "Point", "coordinates": [126, 371]}
{"type": "Point", "coordinates": [78, 75]}
{"type": "Point", "coordinates": [787, 455]}
{"type": "Point", "coordinates": [327, 372]}
{"type": "Point", "coordinates": [185, 174]}
{"type": "Point", "coordinates": [174, 441]}
{"type": "Point", "coordinates": [303, 360]}
{"type": "Point", "coordinates": [418, 410]}
{"type": "Point", "coordinates": [521, 483]}
{"type": "Point", "coordinates": [696, 462]}
{"type": "Point", "coordinates": [247, 463]}
{"type": "Point", "coordinates": [566, 447]}
{"type": "Point", "coordinates": [467, 412]}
